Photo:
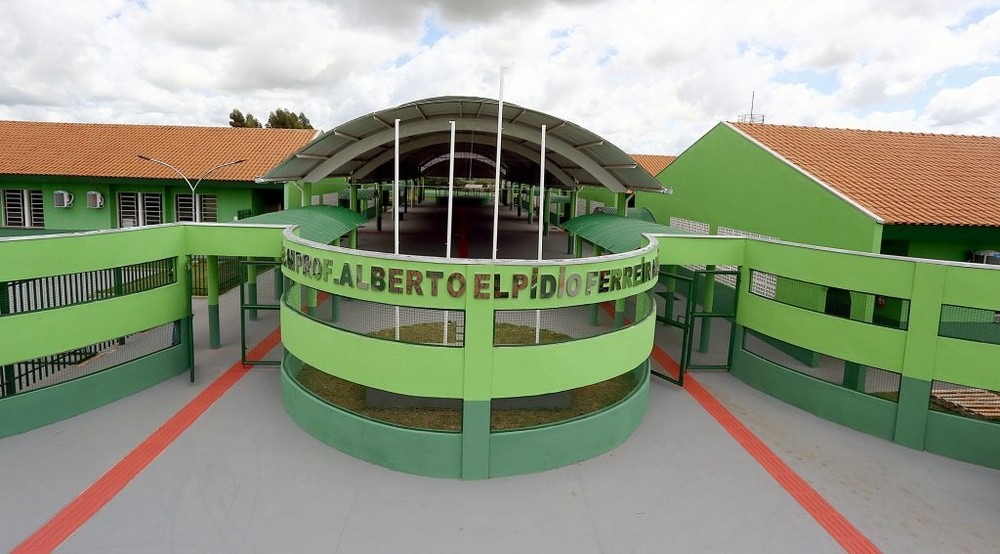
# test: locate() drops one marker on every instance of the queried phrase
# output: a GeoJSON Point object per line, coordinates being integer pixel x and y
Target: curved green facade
{"type": "Point", "coordinates": [930, 349]}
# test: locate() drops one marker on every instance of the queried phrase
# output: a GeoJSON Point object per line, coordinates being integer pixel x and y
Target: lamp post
{"type": "Point", "coordinates": [194, 196]}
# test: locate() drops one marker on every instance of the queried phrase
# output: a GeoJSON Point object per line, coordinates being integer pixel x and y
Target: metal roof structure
{"type": "Point", "coordinates": [323, 224]}
{"type": "Point", "coordinates": [362, 149]}
{"type": "Point", "coordinates": [614, 233]}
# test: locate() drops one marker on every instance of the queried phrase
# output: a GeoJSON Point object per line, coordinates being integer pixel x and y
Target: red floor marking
{"type": "Point", "coordinates": [811, 501]}
{"type": "Point", "coordinates": [848, 536]}
{"type": "Point", "coordinates": [89, 502]}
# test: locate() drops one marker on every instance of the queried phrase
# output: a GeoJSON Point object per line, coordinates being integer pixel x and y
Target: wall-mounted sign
{"type": "Point", "coordinates": [539, 282]}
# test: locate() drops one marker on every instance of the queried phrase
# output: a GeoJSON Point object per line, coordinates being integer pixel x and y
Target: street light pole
{"type": "Point", "coordinates": [194, 196]}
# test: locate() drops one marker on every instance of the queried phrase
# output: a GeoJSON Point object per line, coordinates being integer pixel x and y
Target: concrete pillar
{"type": "Point", "coordinates": [212, 286]}
{"type": "Point", "coordinates": [251, 277]}
{"type": "Point", "coordinates": [708, 299]}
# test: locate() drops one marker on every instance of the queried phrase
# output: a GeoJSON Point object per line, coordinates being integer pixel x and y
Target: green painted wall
{"type": "Point", "coordinates": [942, 242]}
{"type": "Point", "coordinates": [231, 197]}
{"type": "Point", "coordinates": [30, 410]}
{"type": "Point", "coordinates": [430, 453]}
{"type": "Point", "coordinates": [552, 446]}
{"type": "Point", "coordinates": [725, 179]}
{"type": "Point", "coordinates": [918, 354]}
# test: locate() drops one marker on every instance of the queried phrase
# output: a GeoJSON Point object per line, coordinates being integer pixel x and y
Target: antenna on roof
{"type": "Point", "coordinates": [751, 117]}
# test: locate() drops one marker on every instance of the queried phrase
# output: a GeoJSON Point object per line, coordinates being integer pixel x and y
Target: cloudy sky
{"type": "Point", "coordinates": [651, 76]}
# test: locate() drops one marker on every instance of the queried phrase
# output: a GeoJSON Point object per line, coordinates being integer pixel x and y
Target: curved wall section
{"type": "Point", "coordinates": [510, 339]}
{"type": "Point", "coordinates": [907, 353]}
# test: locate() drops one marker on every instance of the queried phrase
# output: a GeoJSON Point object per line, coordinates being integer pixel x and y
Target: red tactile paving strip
{"type": "Point", "coordinates": [842, 531]}
{"type": "Point", "coordinates": [83, 507]}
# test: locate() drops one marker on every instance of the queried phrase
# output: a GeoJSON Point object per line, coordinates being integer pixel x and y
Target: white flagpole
{"type": "Point", "coordinates": [395, 210]}
{"type": "Point", "coordinates": [451, 190]}
{"type": "Point", "coordinates": [496, 183]}
{"type": "Point", "coordinates": [542, 208]}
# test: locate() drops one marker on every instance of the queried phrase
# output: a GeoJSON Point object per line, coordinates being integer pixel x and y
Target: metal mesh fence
{"type": "Point", "coordinates": [869, 380]}
{"type": "Point", "coordinates": [965, 401]}
{"type": "Point", "coordinates": [975, 324]}
{"type": "Point", "coordinates": [229, 274]}
{"type": "Point", "coordinates": [415, 412]}
{"type": "Point", "coordinates": [710, 342]}
{"type": "Point", "coordinates": [384, 321]}
{"type": "Point", "coordinates": [508, 414]}
{"type": "Point", "coordinates": [262, 288]}
{"type": "Point", "coordinates": [58, 291]}
{"type": "Point", "coordinates": [864, 307]}
{"type": "Point", "coordinates": [526, 327]}
{"type": "Point", "coordinates": [58, 368]}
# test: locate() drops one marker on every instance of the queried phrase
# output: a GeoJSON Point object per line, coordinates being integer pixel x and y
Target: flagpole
{"type": "Point", "coordinates": [496, 182]}
{"type": "Point", "coordinates": [542, 208]}
{"type": "Point", "coordinates": [451, 191]}
{"type": "Point", "coordinates": [395, 209]}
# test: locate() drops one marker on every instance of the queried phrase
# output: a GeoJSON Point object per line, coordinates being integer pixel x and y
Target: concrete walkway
{"type": "Point", "coordinates": [245, 478]}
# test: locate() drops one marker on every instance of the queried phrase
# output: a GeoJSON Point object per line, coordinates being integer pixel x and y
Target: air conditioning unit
{"type": "Point", "coordinates": [95, 199]}
{"type": "Point", "coordinates": [989, 257]}
{"type": "Point", "coordinates": [62, 199]}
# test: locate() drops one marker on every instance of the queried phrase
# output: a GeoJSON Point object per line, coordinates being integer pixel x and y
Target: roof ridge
{"type": "Point", "coordinates": [858, 130]}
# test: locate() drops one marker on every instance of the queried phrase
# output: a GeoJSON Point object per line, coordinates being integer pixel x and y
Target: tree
{"type": "Point", "coordinates": [286, 119]}
{"type": "Point", "coordinates": [237, 119]}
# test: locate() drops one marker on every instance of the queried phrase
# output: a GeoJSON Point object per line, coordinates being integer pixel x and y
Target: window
{"type": "Point", "coordinates": [206, 206]}
{"type": "Point", "coordinates": [23, 208]}
{"type": "Point", "coordinates": [139, 208]}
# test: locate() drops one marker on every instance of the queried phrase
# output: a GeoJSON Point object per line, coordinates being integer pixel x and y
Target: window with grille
{"type": "Point", "coordinates": [23, 208]}
{"type": "Point", "coordinates": [136, 209]}
{"type": "Point", "coordinates": [207, 205]}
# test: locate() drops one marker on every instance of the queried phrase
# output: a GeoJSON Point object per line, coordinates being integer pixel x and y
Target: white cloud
{"type": "Point", "coordinates": [650, 75]}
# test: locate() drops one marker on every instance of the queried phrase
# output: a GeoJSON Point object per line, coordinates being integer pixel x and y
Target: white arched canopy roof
{"type": "Point", "coordinates": [362, 149]}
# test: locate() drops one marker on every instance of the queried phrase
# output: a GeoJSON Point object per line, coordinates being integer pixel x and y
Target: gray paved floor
{"type": "Point", "coordinates": [245, 478]}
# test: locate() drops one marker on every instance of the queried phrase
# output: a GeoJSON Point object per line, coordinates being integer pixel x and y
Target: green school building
{"type": "Point", "coordinates": [770, 252]}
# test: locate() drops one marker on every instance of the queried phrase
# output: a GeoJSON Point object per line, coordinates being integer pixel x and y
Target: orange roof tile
{"type": "Point", "coordinates": [652, 163]}
{"type": "Point", "coordinates": [109, 150]}
{"type": "Point", "coordinates": [903, 178]}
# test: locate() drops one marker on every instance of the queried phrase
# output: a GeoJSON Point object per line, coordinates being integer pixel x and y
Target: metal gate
{"type": "Point", "coordinates": [702, 304]}
{"type": "Point", "coordinates": [261, 287]}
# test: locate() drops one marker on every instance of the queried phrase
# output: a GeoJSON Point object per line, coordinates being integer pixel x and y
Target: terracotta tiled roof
{"type": "Point", "coordinates": [652, 163]}
{"type": "Point", "coordinates": [903, 178]}
{"type": "Point", "coordinates": [103, 150]}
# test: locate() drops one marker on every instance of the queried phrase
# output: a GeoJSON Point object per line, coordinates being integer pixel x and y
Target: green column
{"type": "Point", "coordinates": [619, 313]}
{"type": "Point", "coordinates": [354, 198]}
{"type": "Point", "coordinates": [187, 324]}
{"type": "Point", "coordinates": [477, 387]}
{"type": "Point", "coordinates": [544, 214]}
{"type": "Point", "coordinates": [520, 187]}
{"type": "Point", "coordinates": [119, 285]}
{"type": "Point", "coordinates": [212, 280]}
{"type": "Point", "coordinates": [279, 283]}
{"type": "Point", "coordinates": [531, 205]}
{"type": "Point", "coordinates": [307, 194]}
{"type": "Point", "coordinates": [353, 235]}
{"type": "Point", "coordinates": [378, 207]}
{"type": "Point", "coordinates": [334, 308]}
{"type": "Point", "coordinates": [251, 277]}
{"type": "Point", "coordinates": [578, 248]}
{"type": "Point", "coordinates": [8, 370]}
{"type": "Point", "coordinates": [621, 204]}
{"type": "Point", "coordinates": [595, 308]}
{"type": "Point", "coordinates": [312, 301]}
{"type": "Point", "coordinates": [919, 355]}
{"type": "Point", "coordinates": [292, 195]}
{"type": "Point", "coordinates": [707, 301]}
{"type": "Point", "coordinates": [572, 213]}
{"type": "Point", "coordinates": [671, 284]}
{"type": "Point", "coordinates": [854, 376]}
